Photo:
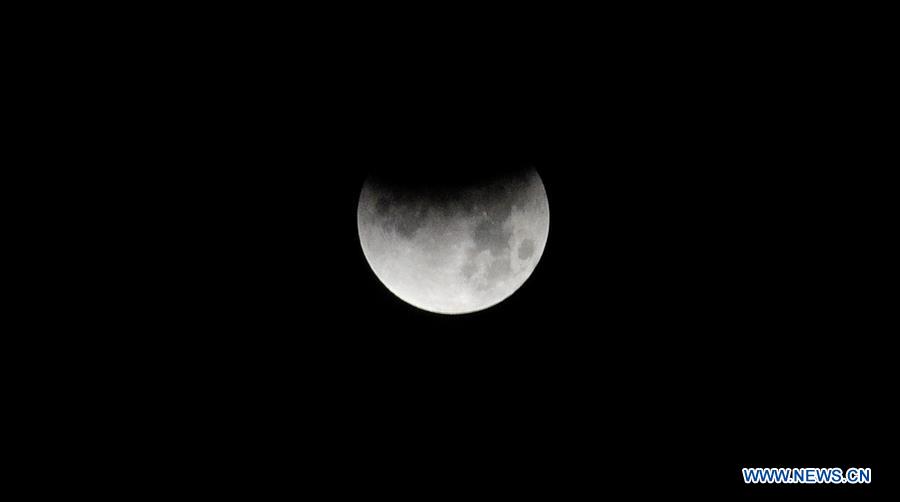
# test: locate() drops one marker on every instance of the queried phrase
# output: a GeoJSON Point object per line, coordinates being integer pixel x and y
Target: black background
{"type": "Point", "coordinates": [709, 299]}
{"type": "Point", "coordinates": [713, 294]}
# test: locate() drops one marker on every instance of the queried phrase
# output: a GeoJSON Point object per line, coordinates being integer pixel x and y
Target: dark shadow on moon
{"type": "Point", "coordinates": [404, 217]}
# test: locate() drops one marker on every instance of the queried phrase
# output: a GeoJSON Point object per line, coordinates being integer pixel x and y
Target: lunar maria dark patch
{"type": "Point", "coordinates": [526, 249]}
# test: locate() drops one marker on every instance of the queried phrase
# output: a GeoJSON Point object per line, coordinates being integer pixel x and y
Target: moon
{"type": "Point", "coordinates": [454, 248]}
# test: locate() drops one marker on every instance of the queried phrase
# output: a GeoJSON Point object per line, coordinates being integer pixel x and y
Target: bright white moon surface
{"type": "Point", "coordinates": [457, 248]}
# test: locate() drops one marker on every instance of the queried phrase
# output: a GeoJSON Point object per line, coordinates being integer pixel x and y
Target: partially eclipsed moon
{"type": "Point", "coordinates": [459, 249]}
